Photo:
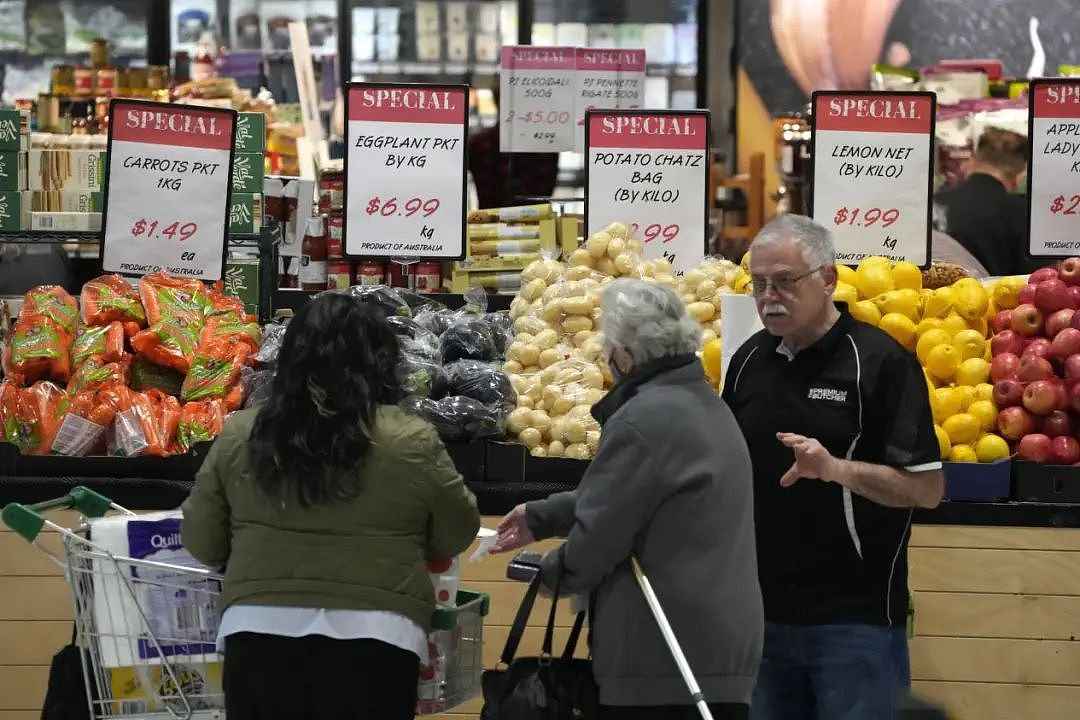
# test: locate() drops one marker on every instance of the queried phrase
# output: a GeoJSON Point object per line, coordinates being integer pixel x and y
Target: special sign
{"type": "Point", "coordinates": [1054, 174]}
{"type": "Point", "coordinates": [405, 186]}
{"type": "Point", "coordinates": [649, 169]}
{"type": "Point", "coordinates": [167, 189]}
{"type": "Point", "coordinates": [536, 98]}
{"type": "Point", "coordinates": [873, 183]}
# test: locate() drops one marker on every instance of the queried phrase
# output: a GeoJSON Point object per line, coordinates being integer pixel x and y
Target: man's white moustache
{"type": "Point", "coordinates": [768, 309]}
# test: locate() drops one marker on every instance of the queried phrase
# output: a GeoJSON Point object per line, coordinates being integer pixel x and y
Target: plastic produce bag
{"type": "Point", "coordinates": [436, 321]}
{"type": "Point", "coordinates": [30, 416]}
{"type": "Point", "coordinates": [421, 376]}
{"type": "Point", "coordinates": [215, 373]}
{"type": "Point", "coordinates": [95, 374]}
{"type": "Point", "coordinates": [170, 342]}
{"type": "Point", "coordinates": [457, 418]}
{"type": "Point", "coordinates": [225, 329]}
{"type": "Point", "coordinates": [111, 298]}
{"type": "Point", "coordinates": [386, 298]}
{"type": "Point", "coordinates": [87, 417]}
{"type": "Point", "coordinates": [468, 338]}
{"type": "Point", "coordinates": [199, 422]}
{"type": "Point", "coordinates": [257, 384]}
{"type": "Point", "coordinates": [105, 342]}
{"type": "Point", "coordinates": [39, 348]}
{"type": "Point", "coordinates": [166, 297]}
{"type": "Point", "coordinates": [226, 306]}
{"type": "Point", "coordinates": [53, 302]}
{"type": "Point", "coordinates": [482, 382]}
{"type": "Point", "coordinates": [273, 335]}
{"type": "Point", "coordinates": [145, 375]}
{"type": "Point", "coordinates": [145, 425]}
{"type": "Point", "coordinates": [502, 329]}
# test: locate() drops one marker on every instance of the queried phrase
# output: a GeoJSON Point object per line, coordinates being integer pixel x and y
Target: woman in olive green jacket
{"type": "Point", "coordinates": [324, 506]}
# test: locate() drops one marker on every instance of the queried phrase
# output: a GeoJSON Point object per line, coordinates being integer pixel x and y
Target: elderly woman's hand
{"type": "Point", "coordinates": [514, 532]}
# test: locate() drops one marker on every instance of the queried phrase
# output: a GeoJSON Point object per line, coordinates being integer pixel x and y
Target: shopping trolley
{"type": "Point", "coordinates": [146, 630]}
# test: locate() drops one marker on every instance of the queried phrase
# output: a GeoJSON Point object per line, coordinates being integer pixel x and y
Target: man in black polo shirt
{"type": "Point", "coordinates": [838, 423]}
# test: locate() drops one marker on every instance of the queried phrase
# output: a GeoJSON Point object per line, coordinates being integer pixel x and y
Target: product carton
{"type": "Point", "coordinates": [65, 221]}
{"type": "Point", "coordinates": [66, 201]}
{"type": "Point", "coordinates": [66, 170]}
{"type": "Point", "coordinates": [12, 170]}
{"type": "Point", "coordinates": [245, 212]}
{"type": "Point", "coordinates": [14, 130]}
{"type": "Point", "coordinates": [247, 172]}
{"type": "Point", "coordinates": [14, 213]}
{"type": "Point", "coordinates": [250, 132]}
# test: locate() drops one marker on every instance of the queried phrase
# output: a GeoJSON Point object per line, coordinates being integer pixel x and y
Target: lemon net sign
{"type": "Point", "coordinates": [872, 173]}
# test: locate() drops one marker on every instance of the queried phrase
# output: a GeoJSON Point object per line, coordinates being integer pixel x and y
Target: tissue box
{"type": "Point", "coordinates": [247, 172]}
{"type": "Point", "coordinates": [66, 169]}
{"type": "Point", "coordinates": [12, 170]}
{"type": "Point", "coordinates": [66, 201]}
{"type": "Point", "coordinates": [149, 689]}
{"type": "Point", "coordinates": [250, 132]}
{"type": "Point", "coordinates": [14, 212]}
{"type": "Point", "coordinates": [14, 130]}
{"type": "Point", "coordinates": [245, 212]}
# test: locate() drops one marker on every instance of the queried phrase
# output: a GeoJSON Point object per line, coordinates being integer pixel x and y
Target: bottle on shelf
{"type": "Point", "coordinates": [105, 75]}
{"type": "Point", "coordinates": [313, 255]}
{"type": "Point", "coordinates": [202, 66]}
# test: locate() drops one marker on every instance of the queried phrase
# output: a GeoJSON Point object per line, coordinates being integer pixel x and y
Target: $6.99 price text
{"type": "Point", "coordinates": [410, 207]}
{"type": "Point", "coordinates": [155, 229]}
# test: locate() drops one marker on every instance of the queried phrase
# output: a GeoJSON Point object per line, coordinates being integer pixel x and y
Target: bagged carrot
{"type": "Point", "coordinates": [214, 371]}
{"type": "Point", "coordinates": [218, 328]}
{"type": "Point", "coordinates": [88, 415]}
{"type": "Point", "coordinates": [170, 343]}
{"type": "Point", "coordinates": [111, 298]}
{"type": "Point", "coordinates": [30, 416]}
{"type": "Point", "coordinates": [199, 422]}
{"type": "Point", "coordinates": [95, 374]}
{"type": "Point", "coordinates": [222, 305]}
{"type": "Point", "coordinates": [105, 342]}
{"type": "Point", "coordinates": [165, 297]}
{"type": "Point", "coordinates": [39, 348]}
{"type": "Point", "coordinates": [55, 303]}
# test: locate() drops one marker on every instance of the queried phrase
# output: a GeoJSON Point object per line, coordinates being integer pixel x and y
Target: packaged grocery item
{"type": "Point", "coordinates": [111, 297]}
{"type": "Point", "coordinates": [225, 306]}
{"type": "Point", "coordinates": [105, 342]}
{"type": "Point", "coordinates": [39, 348]}
{"type": "Point", "coordinates": [146, 424]}
{"type": "Point", "coordinates": [215, 371]}
{"type": "Point", "coordinates": [169, 342]}
{"type": "Point", "coordinates": [199, 422]}
{"type": "Point", "coordinates": [95, 374]}
{"type": "Point", "coordinates": [445, 577]}
{"type": "Point", "coordinates": [86, 417]}
{"type": "Point", "coordinates": [55, 303]}
{"type": "Point", "coordinates": [226, 329]}
{"type": "Point", "coordinates": [30, 416]}
{"type": "Point", "coordinates": [164, 296]}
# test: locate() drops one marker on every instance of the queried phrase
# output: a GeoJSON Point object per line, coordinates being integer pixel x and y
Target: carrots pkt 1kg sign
{"type": "Point", "coordinates": [873, 173]}
{"type": "Point", "coordinates": [1054, 167]}
{"type": "Point", "coordinates": [167, 189]}
{"type": "Point", "coordinates": [405, 170]}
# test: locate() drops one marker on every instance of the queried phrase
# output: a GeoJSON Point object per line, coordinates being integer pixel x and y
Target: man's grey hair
{"type": "Point", "coordinates": [813, 239]}
{"type": "Point", "coordinates": [647, 320]}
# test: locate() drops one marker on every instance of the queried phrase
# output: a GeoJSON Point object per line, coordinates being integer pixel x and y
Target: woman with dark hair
{"type": "Point", "coordinates": [324, 506]}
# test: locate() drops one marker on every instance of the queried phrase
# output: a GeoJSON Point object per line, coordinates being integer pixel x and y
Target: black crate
{"type": "Point", "coordinates": [978, 482]}
{"type": "Point", "coordinates": [175, 467]}
{"type": "Point", "coordinates": [1046, 483]}
{"type": "Point", "coordinates": [469, 458]}
{"type": "Point", "coordinates": [563, 471]}
{"type": "Point", "coordinates": [505, 462]}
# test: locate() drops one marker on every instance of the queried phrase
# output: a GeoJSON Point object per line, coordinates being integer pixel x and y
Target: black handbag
{"type": "Point", "coordinates": [545, 687]}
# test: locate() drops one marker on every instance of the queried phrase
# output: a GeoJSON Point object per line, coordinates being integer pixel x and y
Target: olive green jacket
{"type": "Point", "coordinates": [368, 553]}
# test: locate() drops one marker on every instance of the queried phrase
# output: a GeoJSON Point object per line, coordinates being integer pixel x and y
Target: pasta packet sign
{"type": "Point", "coordinates": [873, 174]}
{"type": "Point", "coordinates": [167, 189]}
{"type": "Point", "coordinates": [405, 164]}
{"type": "Point", "coordinates": [536, 90]}
{"type": "Point", "coordinates": [1054, 170]}
{"type": "Point", "coordinates": [649, 169]}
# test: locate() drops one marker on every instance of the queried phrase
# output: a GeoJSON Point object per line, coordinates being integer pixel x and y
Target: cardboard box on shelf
{"type": "Point", "coordinates": [66, 201]}
{"type": "Point", "coordinates": [65, 221]}
{"type": "Point", "coordinates": [12, 170]}
{"type": "Point", "coordinates": [247, 172]}
{"type": "Point", "coordinates": [250, 132]}
{"type": "Point", "coordinates": [66, 169]}
{"type": "Point", "coordinates": [245, 212]}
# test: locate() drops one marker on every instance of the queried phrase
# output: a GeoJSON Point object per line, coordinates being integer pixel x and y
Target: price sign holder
{"type": "Point", "coordinates": [406, 160]}
{"type": "Point", "coordinates": [168, 172]}
{"type": "Point", "coordinates": [872, 168]}
{"type": "Point", "coordinates": [1054, 167]}
{"type": "Point", "coordinates": [649, 169]}
{"type": "Point", "coordinates": [537, 98]}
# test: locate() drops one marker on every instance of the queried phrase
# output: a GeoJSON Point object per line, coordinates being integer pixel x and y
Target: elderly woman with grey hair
{"type": "Point", "coordinates": [670, 485]}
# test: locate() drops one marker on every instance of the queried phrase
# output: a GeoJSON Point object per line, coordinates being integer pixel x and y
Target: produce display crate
{"type": "Point", "coordinates": [174, 467]}
{"type": "Point", "coordinates": [1046, 483]}
{"type": "Point", "coordinates": [978, 482]}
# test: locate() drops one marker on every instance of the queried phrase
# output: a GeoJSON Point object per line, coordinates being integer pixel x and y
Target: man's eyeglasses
{"type": "Point", "coordinates": [782, 284]}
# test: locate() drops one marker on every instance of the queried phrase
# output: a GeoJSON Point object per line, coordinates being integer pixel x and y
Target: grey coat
{"type": "Point", "coordinates": [672, 484]}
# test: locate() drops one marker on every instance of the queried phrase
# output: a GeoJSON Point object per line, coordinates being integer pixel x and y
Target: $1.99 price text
{"type": "Point", "coordinates": [155, 229]}
{"type": "Point", "coordinates": [857, 217]}
{"type": "Point", "coordinates": [408, 208]}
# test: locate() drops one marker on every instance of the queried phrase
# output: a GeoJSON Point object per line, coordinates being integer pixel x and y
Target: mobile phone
{"type": "Point", "coordinates": [524, 566]}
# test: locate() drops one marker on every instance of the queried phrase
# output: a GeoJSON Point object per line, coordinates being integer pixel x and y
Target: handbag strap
{"type": "Point", "coordinates": [575, 634]}
{"type": "Point", "coordinates": [549, 631]}
{"type": "Point", "coordinates": [517, 630]}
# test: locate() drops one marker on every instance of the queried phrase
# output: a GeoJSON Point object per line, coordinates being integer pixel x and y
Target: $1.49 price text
{"type": "Point", "coordinates": [408, 208]}
{"type": "Point", "coordinates": [155, 229]}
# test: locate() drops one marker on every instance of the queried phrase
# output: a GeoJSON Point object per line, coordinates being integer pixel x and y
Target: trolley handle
{"type": "Point", "coordinates": [27, 520]}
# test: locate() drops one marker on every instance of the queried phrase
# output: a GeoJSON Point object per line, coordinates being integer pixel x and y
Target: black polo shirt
{"type": "Point", "coordinates": [825, 554]}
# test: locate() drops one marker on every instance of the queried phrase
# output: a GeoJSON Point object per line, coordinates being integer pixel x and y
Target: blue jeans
{"type": "Point", "coordinates": [830, 672]}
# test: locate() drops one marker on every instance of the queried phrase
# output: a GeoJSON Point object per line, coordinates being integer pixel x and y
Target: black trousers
{"type": "Point", "coordinates": [269, 677]}
{"type": "Point", "coordinates": [720, 711]}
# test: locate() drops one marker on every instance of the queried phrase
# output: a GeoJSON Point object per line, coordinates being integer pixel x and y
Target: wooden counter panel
{"type": "Point", "coordinates": [990, 701]}
{"type": "Point", "coordinates": [1027, 572]}
{"type": "Point", "coordinates": [32, 643]}
{"type": "Point", "coordinates": [18, 557]}
{"type": "Point", "coordinates": [1033, 617]}
{"type": "Point", "coordinates": [23, 687]}
{"type": "Point", "coordinates": [36, 598]}
{"type": "Point", "coordinates": [992, 660]}
{"type": "Point", "coordinates": [999, 538]}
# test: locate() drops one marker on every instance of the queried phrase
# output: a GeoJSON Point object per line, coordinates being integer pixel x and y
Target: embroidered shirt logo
{"type": "Point", "coordinates": [828, 394]}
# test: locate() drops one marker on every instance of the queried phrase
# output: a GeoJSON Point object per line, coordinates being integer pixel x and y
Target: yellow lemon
{"type": "Point", "coordinates": [963, 454]}
{"type": "Point", "coordinates": [845, 274]}
{"type": "Point", "coordinates": [907, 275]}
{"type": "Point", "coordinates": [972, 372]}
{"type": "Point", "coordinates": [905, 302]}
{"type": "Point", "coordinates": [875, 260]}
{"type": "Point", "coordinates": [981, 326]}
{"type": "Point", "coordinates": [944, 403]}
{"type": "Point", "coordinates": [944, 445]}
{"type": "Point", "coordinates": [970, 343]}
{"type": "Point", "coordinates": [873, 279]}
{"type": "Point", "coordinates": [846, 294]}
{"type": "Point", "coordinates": [991, 448]}
{"type": "Point", "coordinates": [940, 303]}
{"type": "Point", "coordinates": [953, 324]}
{"type": "Point", "coordinates": [745, 262]}
{"type": "Point", "coordinates": [900, 327]}
{"type": "Point", "coordinates": [962, 428]}
{"type": "Point", "coordinates": [710, 359]}
{"type": "Point", "coordinates": [942, 361]}
{"type": "Point", "coordinates": [742, 283]}
{"type": "Point", "coordinates": [927, 324]}
{"type": "Point", "coordinates": [1005, 293]}
{"type": "Point", "coordinates": [984, 391]}
{"type": "Point", "coordinates": [967, 396]}
{"type": "Point", "coordinates": [972, 300]}
{"type": "Point", "coordinates": [866, 311]}
{"type": "Point", "coordinates": [985, 412]}
{"type": "Point", "coordinates": [930, 340]}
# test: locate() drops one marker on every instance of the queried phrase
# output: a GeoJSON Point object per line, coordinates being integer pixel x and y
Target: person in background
{"type": "Point", "coordinates": [983, 213]}
{"type": "Point", "coordinates": [323, 506]}
{"type": "Point", "coordinates": [841, 438]}
{"type": "Point", "coordinates": [674, 494]}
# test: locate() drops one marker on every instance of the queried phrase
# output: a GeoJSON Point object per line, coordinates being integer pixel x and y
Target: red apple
{"type": "Point", "coordinates": [1026, 296]}
{"type": "Point", "coordinates": [1040, 397]}
{"type": "Point", "coordinates": [1065, 449]}
{"type": "Point", "coordinates": [1056, 423]}
{"type": "Point", "coordinates": [1027, 320]}
{"type": "Point", "coordinates": [1032, 368]}
{"type": "Point", "coordinates": [1066, 343]}
{"type": "Point", "coordinates": [1036, 448]}
{"type": "Point", "coordinates": [1069, 270]}
{"type": "Point", "coordinates": [1074, 397]}
{"type": "Point", "coordinates": [1058, 322]}
{"type": "Point", "coordinates": [1071, 368]}
{"type": "Point", "coordinates": [1074, 293]}
{"type": "Point", "coordinates": [1043, 274]}
{"type": "Point", "coordinates": [1014, 423]}
{"type": "Point", "coordinates": [1005, 342]}
{"type": "Point", "coordinates": [1008, 393]}
{"type": "Point", "coordinates": [1001, 321]}
{"type": "Point", "coordinates": [1052, 295]}
{"type": "Point", "coordinates": [1061, 394]}
{"type": "Point", "coordinates": [1004, 366]}
{"type": "Point", "coordinates": [1039, 347]}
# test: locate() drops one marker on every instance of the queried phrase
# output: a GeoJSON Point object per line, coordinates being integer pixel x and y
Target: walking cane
{"type": "Point", "coordinates": [671, 640]}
